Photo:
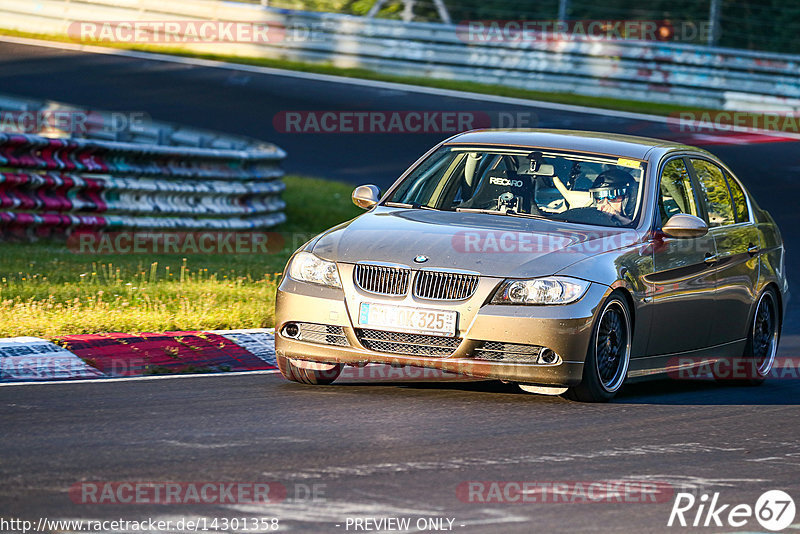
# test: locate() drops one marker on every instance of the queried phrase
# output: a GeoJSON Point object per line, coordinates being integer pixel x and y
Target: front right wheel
{"type": "Point", "coordinates": [308, 372]}
{"type": "Point", "coordinates": [608, 357]}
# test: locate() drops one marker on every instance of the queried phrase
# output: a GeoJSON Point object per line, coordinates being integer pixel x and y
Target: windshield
{"type": "Point", "coordinates": [563, 186]}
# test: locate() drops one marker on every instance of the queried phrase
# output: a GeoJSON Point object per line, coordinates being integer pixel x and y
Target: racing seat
{"type": "Point", "coordinates": [497, 182]}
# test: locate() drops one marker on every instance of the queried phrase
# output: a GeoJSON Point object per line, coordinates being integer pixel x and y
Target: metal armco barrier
{"type": "Point", "coordinates": [56, 185]}
{"type": "Point", "coordinates": [676, 73]}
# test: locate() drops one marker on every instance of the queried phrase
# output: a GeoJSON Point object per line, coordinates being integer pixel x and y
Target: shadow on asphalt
{"type": "Point", "coordinates": [709, 393]}
{"type": "Point", "coordinates": [663, 392]}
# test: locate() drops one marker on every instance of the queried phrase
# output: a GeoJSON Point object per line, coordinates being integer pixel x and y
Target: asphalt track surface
{"type": "Point", "coordinates": [380, 448]}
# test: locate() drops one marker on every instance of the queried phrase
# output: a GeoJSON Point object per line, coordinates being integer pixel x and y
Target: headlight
{"type": "Point", "coordinates": [308, 268]}
{"type": "Point", "coordinates": [551, 290]}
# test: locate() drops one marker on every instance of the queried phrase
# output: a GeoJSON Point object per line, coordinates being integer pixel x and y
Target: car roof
{"type": "Point", "coordinates": [628, 146]}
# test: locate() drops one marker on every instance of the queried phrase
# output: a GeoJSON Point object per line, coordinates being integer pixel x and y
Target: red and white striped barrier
{"type": "Point", "coordinates": [49, 185]}
{"type": "Point", "coordinates": [63, 168]}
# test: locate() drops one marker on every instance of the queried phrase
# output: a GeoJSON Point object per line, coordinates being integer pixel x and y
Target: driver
{"type": "Point", "coordinates": [611, 194]}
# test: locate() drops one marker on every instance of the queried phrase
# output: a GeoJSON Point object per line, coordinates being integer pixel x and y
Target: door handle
{"type": "Point", "coordinates": [711, 259]}
{"type": "Point", "coordinates": [753, 249]}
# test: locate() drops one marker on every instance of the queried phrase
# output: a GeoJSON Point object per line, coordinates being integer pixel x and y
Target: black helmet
{"type": "Point", "coordinates": [611, 184]}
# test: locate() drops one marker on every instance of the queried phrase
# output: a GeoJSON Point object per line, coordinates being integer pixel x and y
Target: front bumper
{"type": "Point", "coordinates": [564, 329]}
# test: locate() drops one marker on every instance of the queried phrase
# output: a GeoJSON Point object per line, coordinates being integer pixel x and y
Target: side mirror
{"type": "Point", "coordinates": [366, 196]}
{"type": "Point", "coordinates": [685, 225]}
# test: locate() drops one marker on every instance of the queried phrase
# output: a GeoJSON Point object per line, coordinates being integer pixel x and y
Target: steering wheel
{"type": "Point", "coordinates": [590, 215]}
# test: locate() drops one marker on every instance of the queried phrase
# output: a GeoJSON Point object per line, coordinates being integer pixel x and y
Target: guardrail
{"type": "Point", "coordinates": [675, 73]}
{"type": "Point", "coordinates": [192, 180]}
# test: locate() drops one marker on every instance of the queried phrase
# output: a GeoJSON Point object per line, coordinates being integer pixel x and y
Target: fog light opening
{"type": "Point", "coordinates": [291, 330]}
{"type": "Point", "coordinates": [548, 356]}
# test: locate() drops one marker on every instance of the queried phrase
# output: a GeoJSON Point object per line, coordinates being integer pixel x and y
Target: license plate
{"type": "Point", "coordinates": [407, 319]}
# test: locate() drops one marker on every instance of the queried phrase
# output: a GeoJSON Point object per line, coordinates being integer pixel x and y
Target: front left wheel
{"type": "Point", "coordinates": [608, 357]}
{"type": "Point", "coordinates": [315, 373]}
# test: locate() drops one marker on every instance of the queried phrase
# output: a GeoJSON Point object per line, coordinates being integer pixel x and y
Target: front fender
{"type": "Point", "coordinates": [623, 269]}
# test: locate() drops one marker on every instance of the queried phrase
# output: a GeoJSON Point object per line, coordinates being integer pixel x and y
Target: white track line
{"type": "Point", "coordinates": [481, 97]}
{"type": "Point", "coordinates": [112, 379]}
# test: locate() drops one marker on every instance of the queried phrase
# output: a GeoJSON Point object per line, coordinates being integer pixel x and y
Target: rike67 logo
{"type": "Point", "coordinates": [774, 510]}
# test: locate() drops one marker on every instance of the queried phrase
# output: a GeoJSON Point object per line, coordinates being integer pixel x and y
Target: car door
{"type": "Point", "coordinates": [682, 282]}
{"type": "Point", "coordinates": [737, 244]}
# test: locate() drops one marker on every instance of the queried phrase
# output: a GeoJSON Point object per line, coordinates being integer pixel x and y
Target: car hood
{"type": "Point", "coordinates": [492, 245]}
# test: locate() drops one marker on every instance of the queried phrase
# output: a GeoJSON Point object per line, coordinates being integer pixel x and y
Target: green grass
{"type": "Point", "coordinates": [326, 68]}
{"type": "Point", "coordinates": [46, 290]}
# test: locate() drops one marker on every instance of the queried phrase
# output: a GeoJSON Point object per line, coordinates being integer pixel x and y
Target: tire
{"type": "Point", "coordinates": [609, 353]}
{"type": "Point", "coordinates": [304, 375]}
{"type": "Point", "coordinates": [762, 344]}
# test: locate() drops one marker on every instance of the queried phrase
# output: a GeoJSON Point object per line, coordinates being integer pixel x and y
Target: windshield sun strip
{"type": "Point", "coordinates": [490, 147]}
{"type": "Point", "coordinates": [610, 159]}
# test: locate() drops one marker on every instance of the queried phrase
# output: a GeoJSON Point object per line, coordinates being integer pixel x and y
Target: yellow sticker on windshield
{"type": "Point", "coordinates": [632, 163]}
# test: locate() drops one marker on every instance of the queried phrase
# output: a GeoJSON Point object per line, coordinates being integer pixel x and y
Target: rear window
{"type": "Point", "coordinates": [739, 200]}
{"type": "Point", "coordinates": [715, 191]}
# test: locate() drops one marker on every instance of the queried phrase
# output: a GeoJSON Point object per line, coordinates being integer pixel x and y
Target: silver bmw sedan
{"type": "Point", "coordinates": [565, 261]}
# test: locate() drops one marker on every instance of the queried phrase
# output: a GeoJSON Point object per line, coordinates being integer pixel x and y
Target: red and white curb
{"type": "Point", "coordinates": [32, 358]}
{"type": "Point", "coordinates": [116, 355]}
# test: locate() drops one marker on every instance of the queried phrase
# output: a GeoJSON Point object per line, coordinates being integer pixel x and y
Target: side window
{"type": "Point", "coordinates": [676, 193]}
{"type": "Point", "coordinates": [715, 192]}
{"type": "Point", "coordinates": [739, 200]}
